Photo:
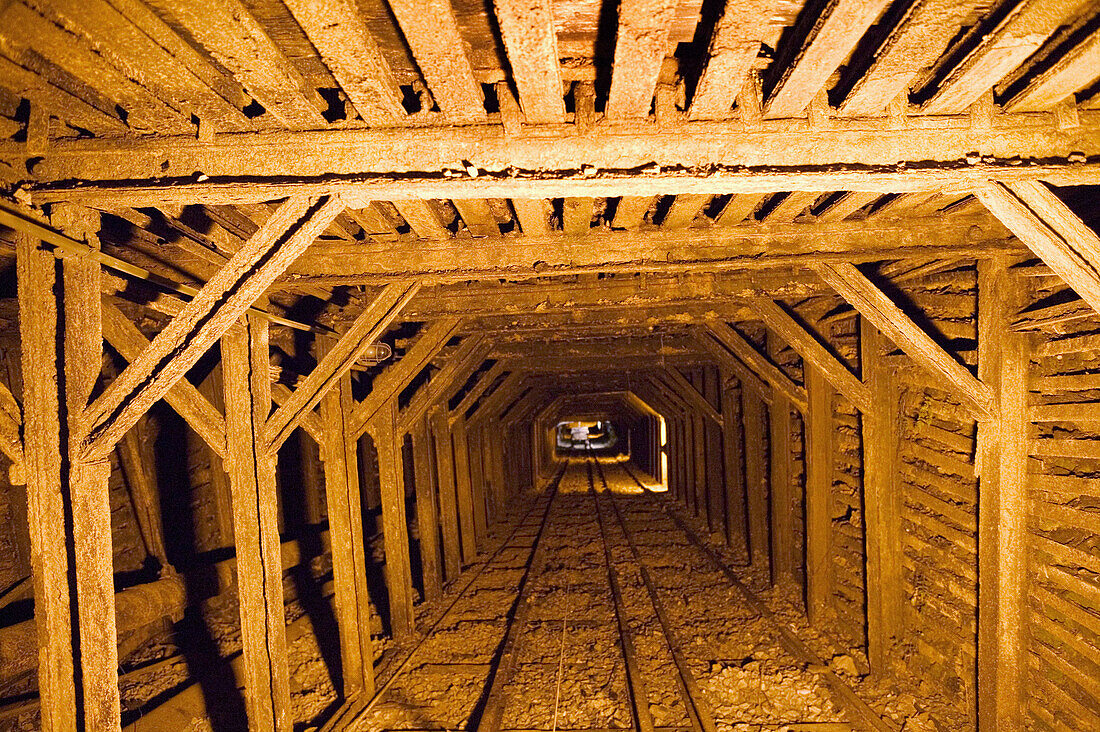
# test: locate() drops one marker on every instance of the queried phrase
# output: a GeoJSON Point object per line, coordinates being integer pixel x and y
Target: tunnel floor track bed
{"type": "Point", "coordinates": [602, 610]}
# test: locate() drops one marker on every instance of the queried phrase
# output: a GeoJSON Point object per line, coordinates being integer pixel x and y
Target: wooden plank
{"type": "Point", "coordinates": [423, 219]}
{"type": "Point", "coordinates": [466, 359]}
{"type": "Point", "coordinates": [484, 381]}
{"type": "Point", "coordinates": [467, 515]}
{"type": "Point", "coordinates": [531, 41]}
{"type": "Point", "coordinates": [349, 560]}
{"type": "Point", "coordinates": [1002, 461]}
{"type": "Point", "coordinates": [1051, 230]}
{"type": "Point", "coordinates": [433, 36]}
{"type": "Point", "coordinates": [336, 28]}
{"type": "Point", "coordinates": [247, 379]}
{"type": "Point", "coordinates": [533, 215]}
{"type": "Point", "coordinates": [878, 308]}
{"type": "Point", "coordinates": [1070, 73]}
{"type": "Point", "coordinates": [478, 217]}
{"type": "Point", "coordinates": [137, 462]}
{"type": "Point", "coordinates": [641, 44]}
{"type": "Point", "coordinates": [734, 469]}
{"type": "Point", "coordinates": [734, 46]}
{"type": "Point", "coordinates": [238, 42]}
{"type": "Point", "coordinates": [819, 485]}
{"type": "Point", "coordinates": [684, 210]}
{"type": "Point", "coordinates": [60, 103]}
{"type": "Point", "coordinates": [427, 512]}
{"type": "Point", "coordinates": [577, 216]}
{"type": "Point", "coordinates": [690, 394]}
{"type": "Point", "coordinates": [367, 328]}
{"type": "Point", "coordinates": [383, 430]}
{"type": "Point", "coordinates": [759, 364]}
{"type": "Point", "coordinates": [1020, 32]}
{"type": "Point", "coordinates": [230, 293]}
{"type": "Point", "coordinates": [630, 211]}
{"type": "Point", "coordinates": [185, 399]}
{"type": "Point", "coordinates": [791, 207]}
{"type": "Point", "coordinates": [824, 47]}
{"type": "Point", "coordinates": [810, 348]}
{"type": "Point", "coordinates": [781, 492]}
{"type": "Point", "coordinates": [882, 502]}
{"type": "Point", "coordinates": [448, 496]}
{"type": "Point", "coordinates": [739, 207]}
{"type": "Point", "coordinates": [916, 41]}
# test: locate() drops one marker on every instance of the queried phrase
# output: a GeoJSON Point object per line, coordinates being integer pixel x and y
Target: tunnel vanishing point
{"type": "Point", "coordinates": [538, 365]}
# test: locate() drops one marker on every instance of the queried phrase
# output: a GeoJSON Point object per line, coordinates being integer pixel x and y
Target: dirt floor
{"type": "Point", "coordinates": [611, 575]}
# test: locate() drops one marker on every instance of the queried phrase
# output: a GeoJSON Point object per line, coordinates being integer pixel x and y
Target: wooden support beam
{"type": "Point", "coordinates": [185, 399]}
{"type": "Point", "coordinates": [684, 210]}
{"type": "Point", "coordinates": [684, 389]}
{"type": "Point", "coordinates": [734, 364]}
{"type": "Point", "coordinates": [1051, 230]}
{"type": "Point", "coordinates": [383, 430]}
{"type": "Point", "coordinates": [478, 217]}
{"type": "Point", "coordinates": [819, 488]}
{"type": "Point", "coordinates": [882, 502]}
{"type": "Point", "coordinates": [506, 390]}
{"type": "Point", "coordinates": [487, 379]}
{"type": "Point", "coordinates": [811, 349]}
{"type": "Point", "coordinates": [825, 43]}
{"type": "Point", "coordinates": [467, 514]}
{"type": "Point", "coordinates": [630, 212]}
{"type": "Point", "coordinates": [758, 363]}
{"type": "Point", "coordinates": [244, 278]}
{"type": "Point", "coordinates": [448, 495]}
{"type": "Point", "coordinates": [247, 379]}
{"type": "Point", "coordinates": [733, 49]}
{"type": "Point", "coordinates": [1018, 34]}
{"type": "Point", "coordinates": [371, 324]}
{"type": "Point", "coordinates": [1004, 360]}
{"type": "Point", "coordinates": [466, 359]}
{"type": "Point", "coordinates": [137, 461]}
{"type": "Point", "coordinates": [878, 308]}
{"type": "Point", "coordinates": [641, 45]}
{"type": "Point", "coordinates": [756, 478]}
{"type": "Point", "coordinates": [387, 385]}
{"type": "Point", "coordinates": [733, 455]}
{"type": "Point", "coordinates": [423, 219]}
{"type": "Point", "coordinates": [1072, 72]}
{"type": "Point", "coordinates": [427, 511]}
{"type": "Point", "coordinates": [780, 490]}
{"type": "Point", "coordinates": [533, 215]}
{"type": "Point", "coordinates": [846, 205]}
{"type": "Point", "coordinates": [433, 36]}
{"type": "Point", "coordinates": [577, 216]}
{"type": "Point", "coordinates": [789, 209]}
{"type": "Point", "coordinates": [345, 517]}
{"type": "Point", "coordinates": [531, 41]}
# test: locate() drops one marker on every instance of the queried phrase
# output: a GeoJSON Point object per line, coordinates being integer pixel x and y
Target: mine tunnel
{"type": "Point", "coordinates": [549, 365]}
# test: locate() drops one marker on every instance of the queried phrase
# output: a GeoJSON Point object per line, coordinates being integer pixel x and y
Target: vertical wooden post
{"type": "Point", "coordinates": [467, 514]}
{"type": "Point", "coordinates": [496, 451]}
{"type": "Point", "coordinates": [37, 274]}
{"type": "Point", "coordinates": [339, 452]}
{"type": "Point", "coordinates": [716, 506]}
{"type": "Point", "coordinates": [247, 379]}
{"type": "Point", "coordinates": [477, 475]}
{"type": "Point", "coordinates": [756, 477]}
{"type": "Point", "coordinates": [395, 533]}
{"type": "Point", "coordinates": [782, 513]}
{"type": "Point", "coordinates": [427, 516]}
{"type": "Point", "coordinates": [448, 497]}
{"type": "Point", "coordinates": [734, 468]}
{"type": "Point", "coordinates": [1003, 360]}
{"type": "Point", "coordinates": [699, 465]}
{"type": "Point", "coordinates": [213, 388]}
{"type": "Point", "coordinates": [137, 463]}
{"type": "Point", "coordinates": [882, 501]}
{"type": "Point", "coordinates": [819, 483]}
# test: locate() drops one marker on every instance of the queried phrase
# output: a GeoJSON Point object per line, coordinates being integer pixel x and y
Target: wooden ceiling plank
{"type": "Point", "coordinates": [1022, 31]}
{"type": "Point", "coordinates": [758, 363]}
{"type": "Point", "coordinates": [1052, 231]}
{"type": "Point", "coordinates": [902, 204]}
{"type": "Point", "coordinates": [55, 100]}
{"type": "Point", "coordinates": [533, 215]}
{"type": "Point", "coordinates": [790, 207]}
{"type": "Point", "coordinates": [917, 39]}
{"type": "Point", "coordinates": [423, 219]}
{"type": "Point", "coordinates": [630, 211]}
{"type": "Point", "coordinates": [466, 359]}
{"type": "Point", "coordinates": [371, 324]}
{"type": "Point", "coordinates": [734, 46]}
{"type": "Point", "coordinates": [577, 216]}
{"type": "Point", "coordinates": [531, 41]}
{"type": "Point", "coordinates": [478, 216]}
{"type": "Point", "coordinates": [684, 210]}
{"type": "Point", "coordinates": [830, 41]}
{"type": "Point", "coordinates": [683, 388]}
{"type": "Point", "coordinates": [740, 207]}
{"type": "Point", "coordinates": [1070, 73]}
{"type": "Point", "coordinates": [880, 310]}
{"type": "Point", "coordinates": [24, 28]}
{"type": "Point", "coordinates": [227, 30]}
{"type": "Point", "coordinates": [372, 222]}
{"type": "Point", "coordinates": [484, 381]}
{"type": "Point", "coordinates": [641, 45]}
{"type": "Point", "coordinates": [337, 30]}
{"type": "Point", "coordinates": [847, 205]}
{"type": "Point", "coordinates": [809, 346]}
{"type": "Point", "coordinates": [430, 29]}
{"type": "Point", "coordinates": [217, 306]}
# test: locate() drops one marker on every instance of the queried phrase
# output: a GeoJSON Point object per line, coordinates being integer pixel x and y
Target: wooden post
{"type": "Point", "coordinates": [819, 483]}
{"type": "Point", "coordinates": [213, 388]}
{"type": "Point", "coordinates": [756, 477]}
{"type": "Point", "coordinates": [383, 430]}
{"type": "Point", "coordinates": [448, 497]}
{"type": "Point", "coordinates": [782, 550]}
{"type": "Point", "coordinates": [467, 514]}
{"type": "Point", "coordinates": [716, 508]}
{"type": "Point", "coordinates": [427, 516]}
{"type": "Point", "coordinates": [36, 270]}
{"type": "Point", "coordinates": [345, 520]}
{"type": "Point", "coordinates": [477, 476]}
{"type": "Point", "coordinates": [1003, 361]}
{"type": "Point", "coordinates": [882, 501]}
{"type": "Point", "coordinates": [135, 457]}
{"type": "Point", "coordinates": [699, 465]}
{"type": "Point", "coordinates": [733, 468]}
{"type": "Point", "coordinates": [247, 377]}
{"type": "Point", "coordinates": [88, 480]}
